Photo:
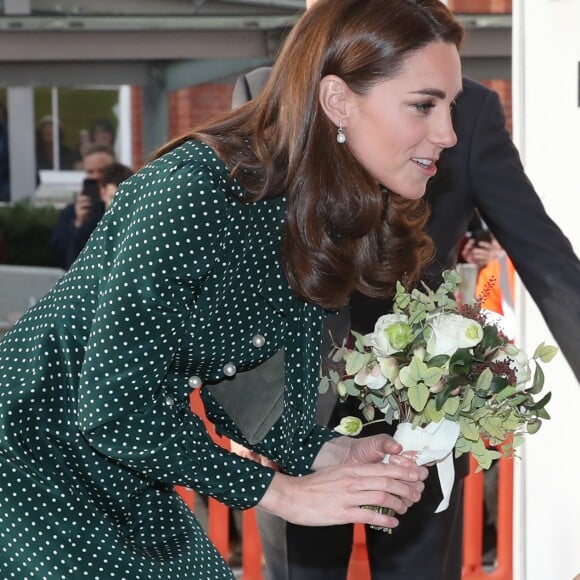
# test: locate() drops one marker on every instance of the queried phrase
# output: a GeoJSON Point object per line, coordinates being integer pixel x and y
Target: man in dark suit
{"type": "Point", "coordinates": [482, 172]}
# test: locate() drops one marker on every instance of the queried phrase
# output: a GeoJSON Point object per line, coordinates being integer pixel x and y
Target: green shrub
{"type": "Point", "coordinates": [26, 230]}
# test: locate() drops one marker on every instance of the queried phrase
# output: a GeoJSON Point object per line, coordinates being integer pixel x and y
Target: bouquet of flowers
{"type": "Point", "coordinates": [448, 374]}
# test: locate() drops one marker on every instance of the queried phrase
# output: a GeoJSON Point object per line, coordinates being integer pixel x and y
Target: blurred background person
{"type": "Point", "coordinates": [102, 132]}
{"type": "Point", "coordinates": [45, 158]}
{"type": "Point", "coordinates": [113, 176]}
{"type": "Point", "coordinates": [4, 155]}
{"type": "Point", "coordinates": [78, 219]}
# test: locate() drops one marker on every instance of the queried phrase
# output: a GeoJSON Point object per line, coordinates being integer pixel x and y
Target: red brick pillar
{"type": "Point", "coordinates": [481, 6]}
{"type": "Point", "coordinates": [195, 105]}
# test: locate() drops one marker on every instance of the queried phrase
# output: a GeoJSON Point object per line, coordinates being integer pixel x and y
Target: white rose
{"type": "Point", "coordinates": [372, 378]}
{"type": "Point", "coordinates": [452, 331]}
{"type": "Point", "coordinates": [392, 333]}
{"type": "Point", "coordinates": [518, 361]}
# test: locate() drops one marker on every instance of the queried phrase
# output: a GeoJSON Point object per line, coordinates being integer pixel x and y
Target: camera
{"type": "Point", "coordinates": [481, 236]}
{"type": "Point", "coordinates": [91, 189]}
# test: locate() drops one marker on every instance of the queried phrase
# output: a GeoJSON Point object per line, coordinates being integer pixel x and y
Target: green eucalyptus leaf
{"type": "Point", "coordinates": [519, 400]}
{"type": "Point", "coordinates": [534, 425]}
{"type": "Point", "coordinates": [416, 372]}
{"type": "Point", "coordinates": [468, 396]}
{"type": "Point", "coordinates": [355, 361]}
{"type": "Point", "coordinates": [478, 402]}
{"type": "Point", "coordinates": [543, 414]}
{"type": "Point", "coordinates": [377, 400]}
{"type": "Point", "coordinates": [494, 427]}
{"type": "Point", "coordinates": [545, 352]}
{"type": "Point", "coordinates": [323, 385]}
{"type": "Point", "coordinates": [512, 422]}
{"type": "Point", "coordinates": [393, 402]}
{"type": "Point", "coordinates": [491, 338]}
{"type": "Point", "coordinates": [482, 455]}
{"type": "Point", "coordinates": [541, 403]}
{"type": "Point", "coordinates": [469, 430]}
{"type": "Point", "coordinates": [351, 388]}
{"type": "Point", "coordinates": [432, 413]}
{"type": "Point", "coordinates": [341, 390]}
{"type": "Point", "coordinates": [431, 376]}
{"type": "Point", "coordinates": [484, 380]}
{"type": "Point", "coordinates": [334, 376]}
{"type": "Point", "coordinates": [368, 412]}
{"type": "Point", "coordinates": [418, 396]}
{"type": "Point", "coordinates": [460, 362]}
{"type": "Point", "coordinates": [418, 314]}
{"type": "Point", "coordinates": [506, 393]}
{"type": "Point", "coordinates": [462, 445]}
{"type": "Point", "coordinates": [360, 341]}
{"type": "Point", "coordinates": [498, 384]}
{"type": "Point", "coordinates": [538, 382]}
{"type": "Point", "coordinates": [451, 405]}
{"type": "Point", "coordinates": [389, 414]}
{"type": "Point", "coordinates": [439, 361]}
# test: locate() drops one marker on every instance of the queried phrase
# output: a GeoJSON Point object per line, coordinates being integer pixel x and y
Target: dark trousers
{"type": "Point", "coordinates": [425, 545]}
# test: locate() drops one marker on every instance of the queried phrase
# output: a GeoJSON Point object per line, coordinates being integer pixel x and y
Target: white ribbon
{"type": "Point", "coordinates": [433, 443]}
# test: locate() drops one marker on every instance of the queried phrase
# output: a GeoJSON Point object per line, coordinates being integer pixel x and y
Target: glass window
{"type": "Point", "coordinates": [68, 119]}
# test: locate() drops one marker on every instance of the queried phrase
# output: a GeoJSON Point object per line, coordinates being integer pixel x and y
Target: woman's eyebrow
{"type": "Point", "coordinates": [430, 92]}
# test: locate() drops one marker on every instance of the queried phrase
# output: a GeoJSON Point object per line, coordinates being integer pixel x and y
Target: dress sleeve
{"type": "Point", "coordinates": [163, 239]}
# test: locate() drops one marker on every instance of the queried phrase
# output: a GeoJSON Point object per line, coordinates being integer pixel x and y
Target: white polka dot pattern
{"type": "Point", "coordinates": [95, 427]}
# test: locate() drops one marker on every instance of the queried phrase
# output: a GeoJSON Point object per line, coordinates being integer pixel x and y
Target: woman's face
{"type": "Point", "coordinates": [398, 129]}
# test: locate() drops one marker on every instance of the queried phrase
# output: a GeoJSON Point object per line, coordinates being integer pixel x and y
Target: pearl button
{"type": "Point", "coordinates": [258, 341]}
{"type": "Point", "coordinates": [194, 382]}
{"type": "Point", "coordinates": [229, 370]}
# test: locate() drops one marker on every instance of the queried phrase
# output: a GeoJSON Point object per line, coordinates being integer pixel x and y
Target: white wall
{"type": "Point", "coordinates": [547, 132]}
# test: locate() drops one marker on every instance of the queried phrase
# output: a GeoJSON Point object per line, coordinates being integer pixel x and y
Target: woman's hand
{"type": "Point", "coordinates": [349, 450]}
{"type": "Point", "coordinates": [335, 495]}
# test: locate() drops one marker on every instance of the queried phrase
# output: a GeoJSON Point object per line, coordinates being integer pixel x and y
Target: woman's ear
{"type": "Point", "coordinates": [334, 96]}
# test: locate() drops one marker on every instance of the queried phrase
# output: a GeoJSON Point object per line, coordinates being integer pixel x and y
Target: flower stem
{"type": "Point", "coordinates": [382, 510]}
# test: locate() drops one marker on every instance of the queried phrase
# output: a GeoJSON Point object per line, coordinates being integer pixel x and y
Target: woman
{"type": "Point", "coordinates": [200, 269]}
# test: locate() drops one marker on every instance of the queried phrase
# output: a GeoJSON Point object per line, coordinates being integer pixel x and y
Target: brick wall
{"type": "Point", "coordinates": [504, 89]}
{"type": "Point", "coordinates": [187, 108]}
{"type": "Point", "coordinates": [137, 126]}
{"type": "Point", "coordinates": [481, 6]}
{"type": "Point", "coordinates": [194, 105]}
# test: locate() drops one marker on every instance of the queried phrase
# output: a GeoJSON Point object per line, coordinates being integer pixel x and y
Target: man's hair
{"type": "Point", "coordinates": [116, 173]}
{"type": "Point", "coordinates": [98, 148]}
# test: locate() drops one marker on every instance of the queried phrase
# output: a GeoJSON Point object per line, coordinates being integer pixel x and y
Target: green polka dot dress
{"type": "Point", "coordinates": [171, 291]}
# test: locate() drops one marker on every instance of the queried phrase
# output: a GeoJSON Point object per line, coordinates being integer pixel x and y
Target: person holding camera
{"type": "Point", "coordinates": [78, 219]}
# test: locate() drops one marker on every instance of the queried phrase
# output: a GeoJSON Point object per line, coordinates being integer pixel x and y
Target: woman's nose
{"type": "Point", "coordinates": [443, 133]}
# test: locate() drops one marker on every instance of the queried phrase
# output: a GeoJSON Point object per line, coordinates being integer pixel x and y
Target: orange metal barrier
{"type": "Point", "coordinates": [473, 524]}
{"type": "Point", "coordinates": [252, 564]}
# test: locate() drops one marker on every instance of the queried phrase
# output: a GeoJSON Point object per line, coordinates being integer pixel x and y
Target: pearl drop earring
{"type": "Point", "coordinates": [340, 136]}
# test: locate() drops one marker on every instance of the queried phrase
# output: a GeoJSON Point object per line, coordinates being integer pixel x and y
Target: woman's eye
{"type": "Point", "coordinates": [423, 107]}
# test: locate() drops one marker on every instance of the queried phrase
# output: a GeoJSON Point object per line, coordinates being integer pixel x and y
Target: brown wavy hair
{"type": "Point", "coordinates": [343, 230]}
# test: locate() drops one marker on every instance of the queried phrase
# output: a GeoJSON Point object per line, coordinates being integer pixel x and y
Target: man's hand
{"type": "Point", "coordinates": [83, 210]}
